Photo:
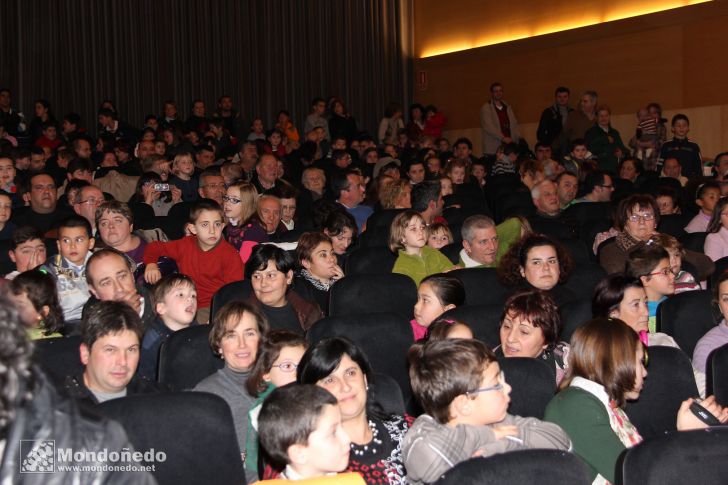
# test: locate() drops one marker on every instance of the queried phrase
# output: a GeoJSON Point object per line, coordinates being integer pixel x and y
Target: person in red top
{"type": "Point", "coordinates": [204, 256]}
{"type": "Point", "coordinates": [49, 138]}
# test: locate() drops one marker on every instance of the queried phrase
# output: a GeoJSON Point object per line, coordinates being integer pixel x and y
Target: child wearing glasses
{"type": "Point", "coordinates": [465, 397]}
{"type": "Point", "coordinates": [278, 358]}
{"type": "Point", "coordinates": [650, 263]}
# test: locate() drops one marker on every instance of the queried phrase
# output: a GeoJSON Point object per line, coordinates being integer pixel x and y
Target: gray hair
{"type": "Point", "coordinates": [472, 223]}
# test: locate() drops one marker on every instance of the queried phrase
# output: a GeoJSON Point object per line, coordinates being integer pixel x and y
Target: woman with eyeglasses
{"type": "Point", "coordinates": [716, 242]}
{"type": "Point", "coordinates": [607, 368]}
{"type": "Point", "coordinates": [240, 204]}
{"type": "Point", "coordinates": [636, 219]}
{"type": "Point", "coordinates": [278, 357]}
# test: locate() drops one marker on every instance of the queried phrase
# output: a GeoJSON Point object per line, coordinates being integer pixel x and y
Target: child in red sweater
{"type": "Point", "coordinates": [205, 257]}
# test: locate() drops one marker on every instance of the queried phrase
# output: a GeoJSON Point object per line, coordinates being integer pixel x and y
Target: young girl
{"type": "Point", "coordinates": [416, 259]}
{"type": "Point", "coordinates": [183, 170]}
{"type": "Point", "coordinates": [276, 144]}
{"type": "Point", "coordinates": [36, 299]}
{"type": "Point", "coordinates": [438, 235]}
{"type": "Point", "coordinates": [278, 358]}
{"type": "Point", "coordinates": [716, 242]}
{"type": "Point", "coordinates": [445, 328]}
{"type": "Point", "coordinates": [437, 294]}
{"type": "Point", "coordinates": [651, 264]}
{"type": "Point", "coordinates": [240, 203]}
{"type": "Point", "coordinates": [257, 131]}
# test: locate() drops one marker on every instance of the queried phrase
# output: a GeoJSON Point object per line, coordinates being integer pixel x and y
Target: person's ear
{"type": "Point", "coordinates": [26, 198]}
{"type": "Point", "coordinates": [289, 277]}
{"type": "Point", "coordinates": [306, 264]}
{"type": "Point", "coordinates": [645, 280]}
{"type": "Point", "coordinates": [91, 243]}
{"type": "Point", "coordinates": [297, 454]}
{"type": "Point", "coordinates": [614, 314]}
{"type": "Point", "coordinates": [523, 271]}
{"type": "Point", "coordinates": [11, 255]}
{"type": "Point", "coordinates": [461, 406]}
{"type": "Point", "coordinates": [191, 228]}
{"type": "Point", "coordinates": [45, 311]}
{"type": "Point", "coordinates": [160, 308]}
{"type": "Point", "coordinates": [92, 290]}
{"type": "Point", "coordinates": [84, 353]}
{"type": "Point", "coordinates": [449, 307]}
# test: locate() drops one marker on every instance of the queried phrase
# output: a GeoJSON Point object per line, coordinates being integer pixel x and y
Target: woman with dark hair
{"type": "Point", "coordinates": [416, 123]}
{"type": "Point", "coordinates": [36, 299]}
{"type": "Point", "coordinates": [530, 327]}
{"type": "Point", "coordinates": [270, 271]}
{"type": "Point", "coordinates": [319, 268]}
{"type": "Point", "coordinates": [630, 169]}
{"type": "Point", "coordinates": [43, 114]}
{"type": "Point", "coordinates": [716, 242]}
{"type": "Point", "coordinates": [538, 262]}
{"type": "Point", "coordinates": [340, 367]}
{"type": "Point", "coordinates": [636, 219]}
{"type": "Point", "coordinates": [608, 368]}
{"type": "Point", "coordinates": [340, 226]}
{"type": "Point", "coordinates": [341, 123]}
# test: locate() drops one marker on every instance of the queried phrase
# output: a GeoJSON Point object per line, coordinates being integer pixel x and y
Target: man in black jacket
{"type": "Point", "coordinates": [553, 120]}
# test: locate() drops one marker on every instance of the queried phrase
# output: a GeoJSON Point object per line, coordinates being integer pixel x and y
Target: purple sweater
{"type": "Point", "coordinates": [715, 338]}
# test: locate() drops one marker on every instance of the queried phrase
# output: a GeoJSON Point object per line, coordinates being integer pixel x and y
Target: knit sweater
{"type": "Point", "coordinates": [210, 270]}
{"type": "Point", "coordinates": [430, 261]}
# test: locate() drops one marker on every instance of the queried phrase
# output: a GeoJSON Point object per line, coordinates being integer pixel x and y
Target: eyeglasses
{"type": "Point", "coordinates": [497, 387]}
{"type": "Point", "coordinates": [232, 200]}
{"type": "Point", "coordinates": [642, 217]}
{"type": "Point", "coordinates": [286, 367]}
{"type": "Point", "coordinates": [670, 270]}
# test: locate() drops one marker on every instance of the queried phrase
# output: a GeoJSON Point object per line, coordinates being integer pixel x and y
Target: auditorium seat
{"type": "Point", "coordinates": [670, 381]}
{"type": "Point", "coordinates": [484, 320]}
{"type": "Point", "coordinates": [577, 250]}
{"type": "Point", "coordinates": [721, 266]}
{"type": "Point", "coordinates": [452, 252]}
{"type": "Point", "coordinates": [545, 467]}
{"type": "Point", "coordinates": [584, 278]}
{"type": "Point", "coordinates": [674, 225]}
{"type": "Point", "coordinates": [482, 286]}
{"type": "Point", "coordinates": [716, 375]}
{"type": "Point", "coordinates": [694, 241]}
{"type": "Point", "coordinates": [382, 218]}
{"type": "Point", "coordinates": [373, 293]}
{"type": "Point", "coordinates": [574, 314]}
{"type": "Point", "coordinates": [385, 391]}
{"type": "Point", "coordinates": [533, 385]}
{"type": "Point", "coordinates": [186, 358]}
{"type": "Point", "coordinates": [374, 237]}
{"type": "Point", "coordinates": [376, 260]}
{"type": "Point", "coordinates": [686, 317]}
{"type": "Point", "coordinates": [194, 431]}
{"type": "Point", "coordinates": [675, 458]}
{"type": "Point", "coordinates": [59, 357]}
{"type": "Point", "coordinates": [235, 291]}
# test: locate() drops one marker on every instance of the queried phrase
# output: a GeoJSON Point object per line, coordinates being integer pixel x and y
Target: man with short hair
{"type": "Point", "coordinates": [545, 198]}
{"type": "Point", "coordinates": [567, 185]}
{"type": "Point", "coordinates": [463, 149]}
{"type": "Point", "coordinates": [111, 334]}
{"type": "Point", "coordinates": [553, 120]}
{"type": "Point", "coordinates": [480, 242]}
{"type": "Point", "coordinates": [82, 147]}
{"type": "Point", "coordinates": [204, 157]}
{"type": "Point", "coordinates": [599, 187]}
{"type": "Point", "coordinates": [247, 157]}
{"type": "Point", "coordinates": [88, 199]}
{"type": "Point", "coordinates": [671, 168]}
{"type": "Point", "coordinates": [198, 121]}
{"type": "Point", "coordinates": [579, 121]}
{"type": "Point", "coordinates": [497, 121]}
{"type": "Point", "coordinates": [549, 219]}
{"type": "Point", "coordinates": [266, 174]}
{"type": "Point", "coordinates": [115, 129]}
{"type": "Point", "coordinates": [349, 188]}
{"type": "Point", "coordinates": [416, 172]}
{"type": "Point", "coordinates": [212, 185]}
{"type": "Point", "coordinates": [44, 212]}
{"type": "Point", "coordinates": [316, 118]}
{"type": "Point", "coordinates": [426, 199]}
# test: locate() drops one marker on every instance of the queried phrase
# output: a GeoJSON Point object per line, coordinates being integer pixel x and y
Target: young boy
{"type": "Point", "coordinates": [686, 152]}
{"type": "Point", "coordinates": [706, 197]}
{"type": "Point", "coordinates": [464, 393]}
{"type": "Point", "coordinates": [75, 242]}
{"type": "Point", "coordinates": [300, 427]}
{"type": "Point", "coordinates": [204, 256]}
{"type": "Point", "coordinates": [6, 207]}
{"type": "Point", "coordinates": [578, 156]}
{"type": "Point", "coordinates": [27, 250]}
{"type": "Point", "coordinates": [175, 303]}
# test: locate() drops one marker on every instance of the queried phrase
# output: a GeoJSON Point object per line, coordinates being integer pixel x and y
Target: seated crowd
{"type": "Point", "coordinates": [274, 243]}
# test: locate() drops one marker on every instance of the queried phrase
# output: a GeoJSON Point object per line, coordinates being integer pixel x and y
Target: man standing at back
{"type": "Point", "coordinates": [497, 121]}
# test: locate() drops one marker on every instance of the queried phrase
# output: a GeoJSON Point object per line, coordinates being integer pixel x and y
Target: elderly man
{"type": "Point", "coordinates": [266, 174]}
{"type": "Point", "coordinates": [212, 184]}
{"type": "Point", "coordinates": [548, 218]}
{"type": "Point", "coordinates": [87, 200]}
{"type": "Point", "coordinates": [671, 168]}
{"type": "Point", "coordinates": [349, 188]}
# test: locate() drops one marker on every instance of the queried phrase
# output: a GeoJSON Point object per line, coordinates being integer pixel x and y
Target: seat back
{"type": "Point", "coordinates": [385, 391]}
{"type": "Point", "coordinates": [452, 251]}
{"type": "Point", "coordinates": [482, 286]}
{"type": "Point", "coordinates": [688, 456]}
{"type": "Point", "coordinates": [384, 337]}
{"type": "Point", "coordinates": [368, 293]}
{"type": "Point", "coordinates": [584, 278]}
{"type": "Point", "coordinates": [669, 382]}
{"type": "Point", "coordinates": [674, 224]}
{"type": "Point", "coordinates": [484, 320]}
{"type": "Point", "coordinates": [186, 358]}
{"type": "Point", "coordinates": [194, 430]}
{"type": "Point", "coordinates": [716, 375]}
{"type": "Point", "coordinates": [574, 314]}
{"type": "Point", "coordinates": [59, 357]}
{"type": "Point", "coordinates": [721, 266]}
{"type": "Point", "coordinates": [533, 385]}
{"type": "Point", "coordinates": [577, 250]}
{"type": "Point", "coordinates": [382, 218]}
{"type": "Point", "coordinates": [237, 290]}
{"type": "Point", "coordinates": [694, 241]}
{"type": "Point", "coordinates": [545, 467]}
{"type": "Point", "coordinates": [686, 317]}
{"type": "Point", "coordinates": [374, 237]}
{"type": "Point", "coordinates": [371, 260]}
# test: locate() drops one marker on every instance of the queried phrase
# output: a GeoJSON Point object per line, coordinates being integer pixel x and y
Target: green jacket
{"type": "Point", "coordinates": [418, 268]}
{"type": "Point", "coordinates": [602, 144]}
{"type": "Point", "coordinates": [584, 418]}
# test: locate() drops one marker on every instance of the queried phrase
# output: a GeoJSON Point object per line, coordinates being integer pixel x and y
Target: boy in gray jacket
{"type": "Point", "coordinates": [463, 391]}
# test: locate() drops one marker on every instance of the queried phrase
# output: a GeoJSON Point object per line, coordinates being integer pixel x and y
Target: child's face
{"type": "Point", "coordinates": [492, 405]}
{"type": "Point", "coordinates": [7, 172]}
{"type": "Point", "coordinates": [275, 139]}
{"type": "Point", "coordinates": [659, 284]}
{"type": "Point", "coordinates": [446, 187]}
{"type": "Point", "coordinates": [414, 234]}
{"type": "Point", "coordinates": [50, 133]}
{"type": "Point", "coordinates": [709, 199]}
{"type": "Point", "coordinates": [28, 255]}
{"type": "Point", "coordinates": [681, 128]}
{"type": "Point", "coordinates": [208, 229]}
{"type": "Point", "coordinates": [185, 165]}
{"type": "Point", "coordinates": [428, 306]}
{"type": "Point", "coordinates": [284, 367]}
{"type": "Point", "coordinates": [258, 126]}
{"type": "Point", "coordinates": [438, 239]}
{"type": "Point", "coordinates": [665, 204]}
{"type": "Point", "coordinates": [457, 175]}
{"type": "Point", "coordinates": [579, 152]}
{"type": "Point", "coordinates": [478, 172]}
{"type": "Point", "coordinates": [179, 305]}
{"type": "Point", "coordinates": [675, 258]}
{"type": "Point", "coordinates": [328, 446]}
{"type": "Point", "coordinates": [74, 243]}
{"type": "Point", "coordinates": [160, 147]}
{"type": "Point", "coordinates": [5, 208]}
